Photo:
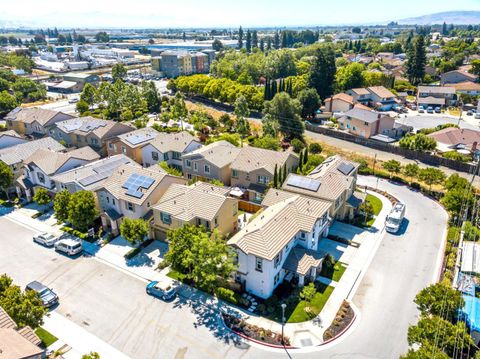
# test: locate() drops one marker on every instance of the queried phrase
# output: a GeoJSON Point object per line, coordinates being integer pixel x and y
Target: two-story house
{"type": "Point", "coordinates": [90, 176]}
{"type": "Point", "coordinates": [457, 76]}
{"type": "Point", "coordinates": [15, 155]}
{"type": "Point", "coordinates": [200, 204]}
{"type": "Point", "coordinates": [359, 95]}
{"type": "Point", "coordinates": [88, 131]}
{"type": "Point", "coordinates": [340, 102]}
{"type": "Point", "coordinates": [253, 170]}
{"type": "Point", "coordinates": [130, 192]}
{"type": "Point", "coordinates": [210, 162]}
{"type": "Point", "coordinates": [43, 164]}
{"type": "Point", "coordinates": [367, 123]}
{"type": "Point", "coordinates": [334, 180]}
{"type": "Point", "coordinates": [281, 243]}
{"type": "Point", "coordinates": [169, 147]}
{"type": "Point", "coordinates": [436, 96]}
{"type": "Point", "coordinates": [130, 144]}
{"type": "Point", "coordinates": [382, 98]}
{"type": "Point", "coordinates": [34, 121]}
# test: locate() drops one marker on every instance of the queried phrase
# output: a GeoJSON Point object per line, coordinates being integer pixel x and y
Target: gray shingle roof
{"type": "Point", "coordinates": [252, 158]}
{"type": "Point", "coordinates": [21, 152]}
{"type": "Point", "coordinates": [29, 115]}
{"type": "Point", "coordinates": [220, 154]}
{"type": "Point", "coordinates": [363, 115]}
{"type": "Point", "coordinates": [177, 142]}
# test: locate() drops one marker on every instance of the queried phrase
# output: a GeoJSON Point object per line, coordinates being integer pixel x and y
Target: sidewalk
{"type": "Point", "coordinates": [80, 341]}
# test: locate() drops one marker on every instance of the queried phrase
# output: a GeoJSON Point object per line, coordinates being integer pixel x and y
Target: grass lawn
{"type": "Point", "coordinates": [377, 207]}
{"type": "Point", "coordinates": [176, 275]}
{"type": "Point", "coordinates": [47, 338]}
{"type": "Point", "coordinates": [295, 313]}
{"type": "Point", "coordinates": [334, 273]}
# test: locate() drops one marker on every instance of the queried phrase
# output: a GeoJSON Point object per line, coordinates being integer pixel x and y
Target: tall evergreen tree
{"type": "Point", "coordinates": [284, 173]}
{"type": "Point", "coordinates": [240, 38]}
{"type": "Point", "coordinates": [322, 75]}
{"type": "Point", "coordinates": [284, 39]}
{"type": "Point", "coordinates": [273, 89]}
{"type": "Point", "coordinates": [280, 177]}
{"type": "Point", "coordinates": [300, 161]}
{"type": "Point", "coordinates": [416, 61]}
{"type": "Point", "coordinates": [290, 88]}
{"type": "Point", "coordinates": [275, 177]}
{"type": "Point", "coordinates": [305, 156]}
{"type": "Point", "coordinates": [276, 40]}
{"type": "Point", "coordinates": [262, 45]}
{"type": "Point", "coordinates": [248, 42]}
{"type": "Point", "coordinates": [254, 39]}
{"type": "Point", "coordinates": [269, 43]}
{"type": "Point", "coordinates": [266, 94]}
{"type": "Point", "coordinates": [444, 29]}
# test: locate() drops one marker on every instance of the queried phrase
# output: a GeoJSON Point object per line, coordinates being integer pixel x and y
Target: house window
{"type": "Point", "coordinates": [189, 176]}
{"type": "Point", "coordinates": [130, 206]}
{"type": "Point", "coordinates": [108, 199]}
{"type": "Point", "coordinates": [195, 167]}
{"type": "Point", "coordinates": [79, 138]}
{"type": "Point", "coordinates": [165, 218]}
{"type": "Point", "coordinates": [207, 224]}
{"type": "Point", "coordinates": [365, 123]}
{"type": "Point", "coordinates": [188, 163]}
{"type": "Point", "coordinates": [165, 156]}
{"type": "Point", "coordinates": [94, 141]}
{"type": "Point", "coordinates": [176, 155]}
{"type": "Point", "coordinates": [302, 236]}
{"type": "Point", "coordinates": [41, 177]}
{"type": "Point", "coordinates": [234, 174]}
{"type": "Point", "coordinates": [113, 201]}
{"type": "Point", "coordinates": [155, 156]}
{"type": "Point", "coordinates": [110, 145]}
{"type": "Point", "coordinates": [124, 149]}
{"type": "Point", "coordinates": [337, 202]}
{"type": "Point", "coordinates": [215, 220]}
{"type": "Point", "coordinates": [207, 169]}
{"type": "Point", "coordinates": [148, 204]}
{"type": "Point", "coordinates": [258, 264]}
{"type": "Point", "coordinates": [263, 180]}
{"type": "Point", "coordinates": [277, 259]}
{"type": "Point", "coordinates": [276, 278]}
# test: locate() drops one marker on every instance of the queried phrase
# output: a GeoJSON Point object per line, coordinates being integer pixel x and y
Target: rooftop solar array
{"type": "Point", "coordinates": [309, 184]}
{"type": "Point", "coordinates": [135, 182]}
{"type": "Point", "coordinates": [345, 168]}
{"type": "Point", "coordinates": [103, 171]}
{"type": "Point", "coordinates": [140, 137]}
{"type": "Point", "coordinates": [84, 125]}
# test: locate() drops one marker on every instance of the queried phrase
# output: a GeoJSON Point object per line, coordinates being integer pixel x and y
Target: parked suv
{"type": "Point", "coordinates": [47, 295]}
{"type": "Point", "coordinates": [70, 247]}
{"type": "Point", "coordinates": [46, 239]}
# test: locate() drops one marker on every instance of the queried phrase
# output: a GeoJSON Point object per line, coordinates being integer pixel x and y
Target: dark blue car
{"type": "Point", "coordinates": [163, 290]}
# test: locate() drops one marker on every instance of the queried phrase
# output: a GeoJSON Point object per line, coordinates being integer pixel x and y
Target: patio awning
{"type": "Point", "coordinates": [112, 214]}
{"type": "Point", "coordinates": [300, 260]}
{"type": "Point", "coordinates": [24, 182]}
{"type": "Point", "coordinates": [257, 188]}
{"type": "Point", "coordinates": [356, 199]}
{"type": "Point", "coordinates": [237, 192]}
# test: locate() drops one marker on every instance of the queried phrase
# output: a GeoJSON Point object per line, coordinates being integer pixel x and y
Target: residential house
{"type": "Point", "coordinates": [34, 121]}
{"type": "Point", "coordinates": [200, 204]}
{"type": "Point", "coordinates": [210, 162]}
{"type": "Point", "coordinates": [436, 96]}
{"type": "Point", "coordinates": [457, 76]}
{"type": "Point", "coordinates": [15, 155]}
{"type": "Point", "coordinates": [10, 138]}
{"type": "Point", "coordinates": [381, 98]}
{"type": "Point", "coordinates": [453, 139]}
{"type": "Point", "coordinates": [253, 169]}
{"type": "Point", "coordinates": [88, 131]}
{"type": "Point", "coordinates": [43, 164]}
{"type": "Point", "coordinates": [130, 144]}
{"type": "Point", "coordinates": [366, 123]}
{"type": "Point", "coordinates": [169, 147]}
{"type": "Point", "coordinates": [90, 176]}
{"type": "Point", "coordinates": [467, 88]}
{"type": "Point", "coordinates": [340, 102]}
{"type": "Point", "coordinates": [281, 243]}
{"type": "Point", "coordinates": [130, 192]}
{"type": "Point", "coordinates": [18, 343]}
{"type": "Point", "coordinates": [359, 95]}
{"type": "Point", "coordinates": [334, 180]}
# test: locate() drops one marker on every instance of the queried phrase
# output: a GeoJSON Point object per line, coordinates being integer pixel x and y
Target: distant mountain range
{"type": "Point", "coordinates": [450, 17]}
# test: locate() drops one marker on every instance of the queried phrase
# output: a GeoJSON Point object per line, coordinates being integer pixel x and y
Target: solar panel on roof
{"type": "Point", "coordinates": [309, 184]}
{"type": "Point", "coordinates": [87, 181]}
{"type": "Point", "coordinates": [345, 168]}
{"type": "Point", "coordinates": [135, 182]}
{"type": "Point", "coordinates": [137, 138]}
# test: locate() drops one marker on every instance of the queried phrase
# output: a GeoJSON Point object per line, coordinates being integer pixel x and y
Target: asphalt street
{"type": "Point", "coordinates": [112, 304]}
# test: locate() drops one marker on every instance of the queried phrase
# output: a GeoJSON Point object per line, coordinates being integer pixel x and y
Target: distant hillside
{"type": "Point", "coordinates": [450, 17]}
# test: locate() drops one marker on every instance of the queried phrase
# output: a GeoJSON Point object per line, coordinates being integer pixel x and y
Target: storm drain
{"type": "Point", "coordinates": [306, 342]}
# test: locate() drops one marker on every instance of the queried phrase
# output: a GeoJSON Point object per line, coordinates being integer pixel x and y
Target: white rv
{"type": "Point", "coordinates": [395, 218]}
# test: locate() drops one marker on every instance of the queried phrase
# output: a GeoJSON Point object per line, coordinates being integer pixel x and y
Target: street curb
{"type": "Point", "coordinates": [345, 329]}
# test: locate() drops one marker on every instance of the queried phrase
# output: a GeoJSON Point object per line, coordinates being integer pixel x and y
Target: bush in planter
{"type": "Point", "coordinates": [226, 294]}
{"type": "Point", "coordinates": [416, 185]}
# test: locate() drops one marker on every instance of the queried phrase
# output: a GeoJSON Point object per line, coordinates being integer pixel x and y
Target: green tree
{"type": "Point", "coordinates": [179, 110]}
{"type": "Point", "coordinates": [217, 45]}
{"type": "Point", "coordinates": [60, 205]}
{"type": "Point", "coordinates": [269, 126]}
{"type": "Point", "coordinates": [7, 102]}
{"type": "Point", "coordinates": [298, 146]}
{"type": "Point", "coordinates": [308, 292]}
{"type": "Point", "coordinates": [457, 199]}
{"type": "Point", "coordinates": [439, 299]}
{"type": "Point", "coordinates": [310, 102]}
{"type": "Point", "coordinates": [392, 166]}
{"type": "Point", "coordinates": [6, 177]}
{"type": "Point", "coordinates": [89, 94]}
{"type": "Point", "coordinates": [475, 67]}
{"type": "Point", "coordinates": [350, 76]}
{"type": "Point", "coordinates": [102, 36]}
{"type": "Point", "coordinates": [275, 177]}
{"type": "Point", "coordinates": [455, 181]}
{"type": "Point", "coordinates": [266, 142]}
{"type": "Point", "coordinates": [431, 176]}
{"type": "Point", "coordinates": [322, 75]}
{"type": "Point", "coordinates": [416, 61]}
{"type": "Point", "coordinates": [411, 170]}
{"type": "Point", "coordinates": [82, 210]}
{"type": "Point", "coordinates": [134, 230]}
{"type": "Point", "coordinates": [240, 38]}
{"type": "Point", "coordinates": [24, 308]}
{"type": "Point", "coordinates": [315, 148]}
{"type": "Point", "coordinates": [150, 94]}
{"type": "Point", "coordinates": [280, 64]}
{"type": "Point", "coordinates": [91, 355]}
{"type": "Point", "coordinates": [242, 112]}
{"type": "Point", "coordinates": [119, 72]}
{"type": "Point", "coordinates": [41, 197]}
{"type": "Point", "coordinates": [170, 170]}
{"type": "Point", "coordinates": [418, 142]}
{"type": "Point", "coordinates": [286, 111]}
{"type": "Point", "coordinates": [425, 351]}
{"type": "Point", "coordinates": [248, 42]}
{"type": "Point", "coordinates": [82, 107]}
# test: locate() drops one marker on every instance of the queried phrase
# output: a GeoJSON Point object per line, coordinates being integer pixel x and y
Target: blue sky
{"type": "Point", "coordinates": [218, 13]}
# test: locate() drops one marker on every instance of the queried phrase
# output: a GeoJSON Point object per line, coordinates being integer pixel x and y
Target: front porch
{"type": "Point", "coordinates": [303, 264]}
{"type": "Point", "coordinates": [111, 221]}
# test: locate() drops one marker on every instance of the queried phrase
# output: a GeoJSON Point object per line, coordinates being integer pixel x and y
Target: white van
{"type": "Point", "coordinates": [395, 218]}
{"type": "Point", "coordinates": [70, 247]}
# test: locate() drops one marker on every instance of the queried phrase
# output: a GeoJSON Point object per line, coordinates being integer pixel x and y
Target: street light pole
{"type": "Point", "coordinates": [283, 320]}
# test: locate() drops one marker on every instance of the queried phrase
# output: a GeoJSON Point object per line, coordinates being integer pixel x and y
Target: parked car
{"type": "Point", "coordinates": [429, 109]}
{"type": "Point", "coordinates": [46, 239]}
{"type": "Point", "coordinates": [395, 218]}
{"type": "Point", "coordinates": [73, 100]}
{"type": "Point", "coordinates": [421, 109]}
{"type": "Point", "coordinates": [68, 246]}
{"type": "Point", "coordinates": [162, 289]}
{"type": "Point", "coordinates": [438, 110]}
{"type": "Point", "coordinates": [47, 295]}
{"type": "Point", "coordinates": [469, 113]}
